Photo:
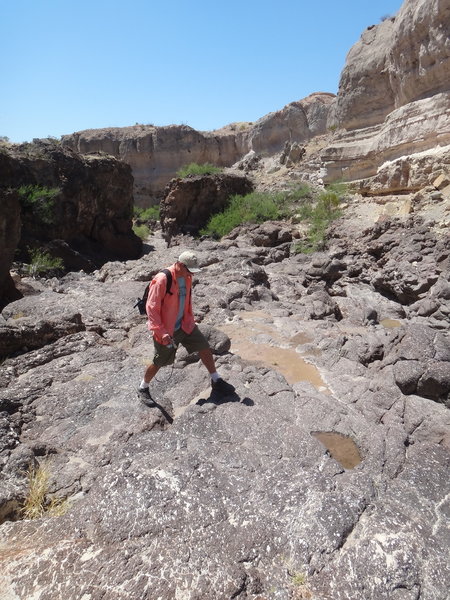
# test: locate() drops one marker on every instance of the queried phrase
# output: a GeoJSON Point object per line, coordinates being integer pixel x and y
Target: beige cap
{"type": "Point", "coordinates": [190, 261]}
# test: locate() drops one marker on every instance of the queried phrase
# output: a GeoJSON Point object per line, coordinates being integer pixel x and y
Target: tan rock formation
{"type": "Point", "coordinates": [296, 122]}
{"type": "Point", "coordinates": [393, 98]}
{"type": "Point", "coordinates": [156, 153]}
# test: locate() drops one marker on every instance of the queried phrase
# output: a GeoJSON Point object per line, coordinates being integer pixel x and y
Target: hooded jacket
{"type": "Point", "coordinates": [162, 308]}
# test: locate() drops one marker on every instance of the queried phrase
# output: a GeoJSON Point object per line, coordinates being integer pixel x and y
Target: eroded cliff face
{"type": "Point", "coordinates": [393, 100]}
{"type": "Point", "coordinates": [155, 154]}
{"type": "Point", "coordinates": [88, 219]}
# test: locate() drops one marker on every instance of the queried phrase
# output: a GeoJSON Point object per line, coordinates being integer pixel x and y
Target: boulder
{"type": "Point", "coordinates": [189, 203]}
{"type": "Point", "coordinates": [422, 363]}
{"type": "Point", "coordinates": [21, 334]}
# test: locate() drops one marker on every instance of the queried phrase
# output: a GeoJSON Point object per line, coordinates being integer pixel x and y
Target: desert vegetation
{"type": "Point", "coordinates": [146, 214]}
{"type": "Point", "coordinates": [38, 503]}
{"type": "Point", "coordinates": [196, 169]}
{"type": "Point", "coordinates": [142, 231]}
{"type": "Point", "coordinates": [143, 218]}
{"type": "Point", "coordinates": [42, 262]}
{"type": "Point", "coordinates": [302, 204]}
{"type": "Point", "coordinates": [38, 202]}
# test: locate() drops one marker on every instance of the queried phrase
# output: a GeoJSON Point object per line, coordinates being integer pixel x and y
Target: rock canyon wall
{"type": "Point", "coordinates": [87, 222]}
{"type": "Point", "coordinates": [156, 153]}
{"type": "Point", "coordinates": [394, 99]}
{"type": "Point", "coordinates": [393, 104]}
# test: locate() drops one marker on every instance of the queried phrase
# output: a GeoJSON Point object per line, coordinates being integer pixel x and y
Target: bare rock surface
{"type": "Point", "coordinates": [198, 496]}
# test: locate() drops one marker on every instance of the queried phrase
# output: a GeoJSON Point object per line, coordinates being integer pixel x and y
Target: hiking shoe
{"type": "Point", "coordinates": [145, 396]}
{"type": "Point", "coordinates": [222, 387]}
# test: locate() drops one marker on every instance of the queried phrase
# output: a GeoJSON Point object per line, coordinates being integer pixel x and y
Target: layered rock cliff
{"type": "Point", "coordinates": [393, 104]}
{"type": "Point", "coordinates": [156, 153]}
{"type": "Point", "coordinates": [394, 97]}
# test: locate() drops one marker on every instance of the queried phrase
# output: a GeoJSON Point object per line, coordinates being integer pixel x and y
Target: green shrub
{"type": "Point", "coordinates": [195, 169]}
{"type": "Point", "coordinates": [298, 193]}
{"type": "Point", "coordinates": [141, 231]}
{"type": "Point", "coordinates": [256, 207]}
{"type": "Point", "coordinates": [42, 262]}
{"type": "Point", "coordinates": [146, 214]}
{"type": "Point", "coordinates": [39, 202]}
{"type": "Point", "coordinates": [319, 215]}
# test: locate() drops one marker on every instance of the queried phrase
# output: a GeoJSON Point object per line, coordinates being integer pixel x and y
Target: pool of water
{"type": "Point", "coordinates": [341, 447]}
{"type": "Point", "coordinates": [255, 338]}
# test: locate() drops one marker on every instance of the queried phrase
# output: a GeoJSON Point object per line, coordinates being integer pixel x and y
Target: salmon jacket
{"type": "Point", "coordinates": [162, 307]}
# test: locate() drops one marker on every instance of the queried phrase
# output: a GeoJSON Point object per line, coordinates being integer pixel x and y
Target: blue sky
{"type": "Point", "coordinates": [68, 65]}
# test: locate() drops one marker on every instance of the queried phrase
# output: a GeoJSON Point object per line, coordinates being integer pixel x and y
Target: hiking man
{"type": "Point", "coordinates": [171, 321]}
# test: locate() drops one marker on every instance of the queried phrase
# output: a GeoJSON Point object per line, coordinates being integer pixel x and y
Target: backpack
{"type": "Point", "coordinates": [141, 302]}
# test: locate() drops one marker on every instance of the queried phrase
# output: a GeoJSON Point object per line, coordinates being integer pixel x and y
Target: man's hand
{"type": "Point", "coordinates": [166, 339]}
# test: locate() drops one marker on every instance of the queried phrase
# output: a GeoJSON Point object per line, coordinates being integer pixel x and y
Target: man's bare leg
{"type": "Point", "coordinates": [207, 359]}
{"type": "Point", "coordinates": [150, 372]}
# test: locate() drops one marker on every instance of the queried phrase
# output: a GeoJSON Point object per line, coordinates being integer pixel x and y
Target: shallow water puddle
{"type": "Point", "coordinates": [341, 447]}
{"type": "Point", "coordinates": [390, 323]}
{"type": "Point", "coordinates": [287, 361]}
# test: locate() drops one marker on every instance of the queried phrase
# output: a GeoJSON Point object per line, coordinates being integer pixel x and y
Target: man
{"type": "Point", "coordinates": [171, 321]}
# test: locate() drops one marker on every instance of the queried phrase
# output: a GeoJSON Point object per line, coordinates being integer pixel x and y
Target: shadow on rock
{"type": "Point", "coordinates": [153, 404]}
{"type": "Point", "coordinates": [147, 248]}
{"type": "Point", "coordinates": [216, 398]}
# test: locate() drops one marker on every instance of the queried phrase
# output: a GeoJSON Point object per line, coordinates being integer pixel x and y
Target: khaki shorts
{"type": "Point", "coordinates": [193, 342]}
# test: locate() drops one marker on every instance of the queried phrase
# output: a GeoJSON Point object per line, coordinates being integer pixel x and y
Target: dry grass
{"type": "Point", "coordinates": [37, 504]}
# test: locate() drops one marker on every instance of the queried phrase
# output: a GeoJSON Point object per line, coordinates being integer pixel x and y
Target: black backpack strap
{"type": "Point", "coordinates": [168, 275]}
